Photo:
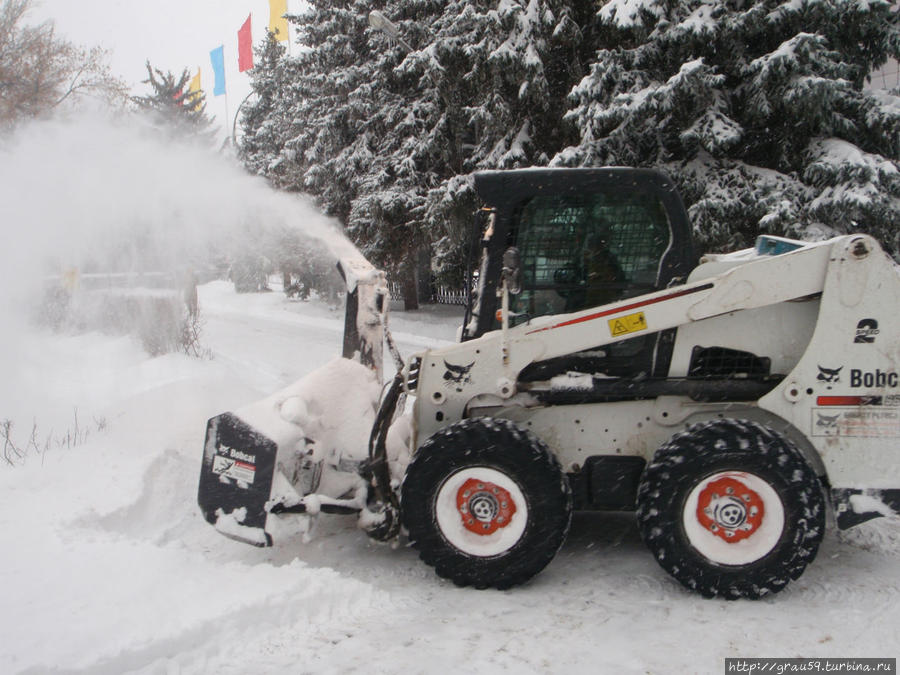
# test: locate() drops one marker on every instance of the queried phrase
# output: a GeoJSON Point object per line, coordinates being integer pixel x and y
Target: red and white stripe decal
{"type": "Point", "coordinates": [626, 308]}
{"type": "Point", "coordinates": [848, 400]}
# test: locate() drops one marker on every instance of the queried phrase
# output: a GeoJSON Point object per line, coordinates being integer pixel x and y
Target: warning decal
{"type": "Point", "coordinates": [856, 422]}
{"type": "Point", "coordinates": [234, 469]}
{"type": "Point", "coordinates": [630, 323]}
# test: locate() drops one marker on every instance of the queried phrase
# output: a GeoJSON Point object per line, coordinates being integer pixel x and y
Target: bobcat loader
{"type": "Point", "coordinates": [732, 404]}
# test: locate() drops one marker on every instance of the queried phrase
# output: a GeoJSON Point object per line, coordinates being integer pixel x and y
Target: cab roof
{"type": "Point", "coordinates": [511, 186]}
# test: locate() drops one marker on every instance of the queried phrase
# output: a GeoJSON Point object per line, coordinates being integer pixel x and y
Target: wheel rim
{"type": "Point", "coordinates": [733, 517]}
{"type": "Point", "coordinates": [481, 511]}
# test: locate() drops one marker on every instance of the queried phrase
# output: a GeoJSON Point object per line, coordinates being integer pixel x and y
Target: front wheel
{"type": "Point", "coordinates": [731, 509]}
{"type": "Point", "coordinates": [486, 503]}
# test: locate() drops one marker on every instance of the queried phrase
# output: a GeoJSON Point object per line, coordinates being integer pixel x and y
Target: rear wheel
{"type": "Point", "coordinates": [732, 509]}
{"type": "Point", "coordinates": [486, 503]}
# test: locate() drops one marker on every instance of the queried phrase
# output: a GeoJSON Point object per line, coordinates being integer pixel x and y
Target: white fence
{"type": "Point", "coordinates": [441, 295]}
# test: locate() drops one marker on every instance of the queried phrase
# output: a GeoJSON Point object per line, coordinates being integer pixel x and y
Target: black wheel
{"type": "Point", "coordinates": [486, 503]}
{"type": "Point", "coordinates": [731, 509]}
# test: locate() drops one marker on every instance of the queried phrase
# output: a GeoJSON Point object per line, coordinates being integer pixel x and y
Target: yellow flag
{"type": "Point", "coordinates": [277, 23]}
{"type": "Point", "coordinates": [194, 91]}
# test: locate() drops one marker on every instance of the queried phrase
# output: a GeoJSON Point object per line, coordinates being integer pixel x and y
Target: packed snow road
{"type": "Point", "coordinates": [108, 566]}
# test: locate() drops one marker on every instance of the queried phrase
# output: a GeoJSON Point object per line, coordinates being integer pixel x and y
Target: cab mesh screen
{"type": "Point", "coordinates": [587, 250]}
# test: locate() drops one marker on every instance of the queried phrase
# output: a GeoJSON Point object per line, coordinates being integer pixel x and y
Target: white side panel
{"type": "Point", "coordinates": [844, 394]}
{"type": "Point", "coordinates": [780, 332]}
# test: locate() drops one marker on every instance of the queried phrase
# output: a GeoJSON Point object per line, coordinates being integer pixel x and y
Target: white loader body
{"type": "Point", "coordinates": [825, 314]}
{"type": "Point", "coordinates": [731, 405]}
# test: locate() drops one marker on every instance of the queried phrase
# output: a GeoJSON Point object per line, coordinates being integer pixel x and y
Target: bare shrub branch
{"type": "Point", "coordinates": [40, 71]}
{"type": "Point", "coordinates": [15, 452]}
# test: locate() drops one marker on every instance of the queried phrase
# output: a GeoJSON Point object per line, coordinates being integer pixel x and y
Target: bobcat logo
{"type": "Point", "coordinates": [827, 422]}
{"type": "Point", "coordinates": [829, 375]}
{"type": "Point", "coordinates": [455, 376]}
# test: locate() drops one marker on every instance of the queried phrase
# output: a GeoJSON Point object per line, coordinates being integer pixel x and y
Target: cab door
{"type": "Point", "coordinates": [580, 251]}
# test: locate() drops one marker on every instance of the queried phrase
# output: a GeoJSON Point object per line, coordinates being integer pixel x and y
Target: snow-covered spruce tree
{"type": "Point", "coordinates": [173, 108]}
{"type": "Point", "coordinates": [345, 123]}
{"type": "Point", "coordinates": [261, 115]}
{"type": "Point", "coordinates": [757, 109]}
{"type": "Point", "coordinates": [490, 81]}
{"type": "Point", "coordinates": [326, 106]}
{"type": "Point", "coordinates": [495, 75]}
{"type": "Point", "coordinates": [502, 70]}
{"type": "Point", "coordinates": [385, 132]}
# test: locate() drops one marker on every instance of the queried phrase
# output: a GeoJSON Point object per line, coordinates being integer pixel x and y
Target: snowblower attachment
{"type": "Point", "coordinates": [236, 479]}
{"type": "Point", "coordinates": [294, 452]}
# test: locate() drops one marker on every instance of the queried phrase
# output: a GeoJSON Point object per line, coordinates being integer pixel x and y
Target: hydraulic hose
{"type": "Point", "coordinates": [378, 464]}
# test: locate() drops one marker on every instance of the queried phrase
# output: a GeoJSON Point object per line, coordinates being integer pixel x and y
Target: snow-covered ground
{"type": "Point", "coordinates": [108, 567]}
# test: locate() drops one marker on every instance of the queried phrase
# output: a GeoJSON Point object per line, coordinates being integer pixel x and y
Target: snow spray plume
{"type": "Point", "coordinates": [111, 195]}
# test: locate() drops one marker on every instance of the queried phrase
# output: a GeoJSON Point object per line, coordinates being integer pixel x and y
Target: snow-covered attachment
{"type": "Point", "coordinates": [298, 451]}
{"type": "Point", "coordinates": [303, 450]}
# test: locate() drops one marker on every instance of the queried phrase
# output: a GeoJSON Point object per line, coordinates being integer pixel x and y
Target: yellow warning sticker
{"type": "Point", "coordinates": [630, 323]}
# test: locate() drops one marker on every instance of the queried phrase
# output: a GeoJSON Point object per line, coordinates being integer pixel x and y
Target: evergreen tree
{"type": "Point", "coordinates": [757, 109]}
{"type": "Point", "coordinates": [173, 107]}
{"type": "Point", "coordinates": [385, 132]}
{"type": "Point", "coordinates": [263, 140]}
{"type": "Point", "coordinates": [495, 77]}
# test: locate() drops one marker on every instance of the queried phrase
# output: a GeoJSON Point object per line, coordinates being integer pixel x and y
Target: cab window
{"type": "Point", "coordinates": [583, 251]}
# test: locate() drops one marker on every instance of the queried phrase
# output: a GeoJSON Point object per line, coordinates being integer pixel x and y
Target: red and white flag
{"type": "Point", "coordinates": [245, 47]}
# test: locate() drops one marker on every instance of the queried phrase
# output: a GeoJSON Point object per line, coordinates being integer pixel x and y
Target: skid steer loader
{"type": "Point", "coordinates": [732, 404]}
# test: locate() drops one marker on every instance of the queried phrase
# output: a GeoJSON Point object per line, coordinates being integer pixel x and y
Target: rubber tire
{"type": "Point", "coordinates": [500, 445]}
{"type": "Point", "coordinates": [731, 445]}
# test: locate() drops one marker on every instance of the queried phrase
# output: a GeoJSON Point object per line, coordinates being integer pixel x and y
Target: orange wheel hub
{"type": "Point", "coordinates": [483, 506]}
{"type": "Point", "coordinates": [729, 509]}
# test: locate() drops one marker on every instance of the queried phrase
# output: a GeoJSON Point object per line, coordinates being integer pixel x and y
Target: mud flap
{"type": "Point", "coordinates": [236, 479]}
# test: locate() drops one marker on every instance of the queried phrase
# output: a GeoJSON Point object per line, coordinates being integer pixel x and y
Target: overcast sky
{"type": "Point", "coordinates": [172, 34]}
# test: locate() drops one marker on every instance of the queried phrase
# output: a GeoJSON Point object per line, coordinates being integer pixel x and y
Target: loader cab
{"type": "Point", "coordinates": [586, 237]}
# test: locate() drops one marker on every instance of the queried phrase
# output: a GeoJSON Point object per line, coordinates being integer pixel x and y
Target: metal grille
{"type": "Point", "coordinates": [717, 362]}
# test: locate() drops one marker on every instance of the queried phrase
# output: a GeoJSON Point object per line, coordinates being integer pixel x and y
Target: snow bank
{"type": "Point", "coordinates": [114, 568]}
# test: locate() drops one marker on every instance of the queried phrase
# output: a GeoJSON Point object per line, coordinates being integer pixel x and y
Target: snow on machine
{"type": "Point", "coordinates": [732, 404]}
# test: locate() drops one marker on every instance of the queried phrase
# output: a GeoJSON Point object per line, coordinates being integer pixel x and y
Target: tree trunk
{"type": "Point", "coordinates": [408, 283]}
{"type": "Point", "coordinates": [423, 272]}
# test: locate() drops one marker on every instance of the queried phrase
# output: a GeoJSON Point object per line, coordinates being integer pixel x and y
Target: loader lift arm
{"type": "Point", "coordinates": [756, 284]}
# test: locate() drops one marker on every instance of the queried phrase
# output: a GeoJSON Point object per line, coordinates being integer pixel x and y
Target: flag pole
{"type": "Point", "coordinates": [227, 125]}
{"type": "Point", "coordinates": [225, 87]}
{"type": "Point", "coordinates": [287, 25]}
